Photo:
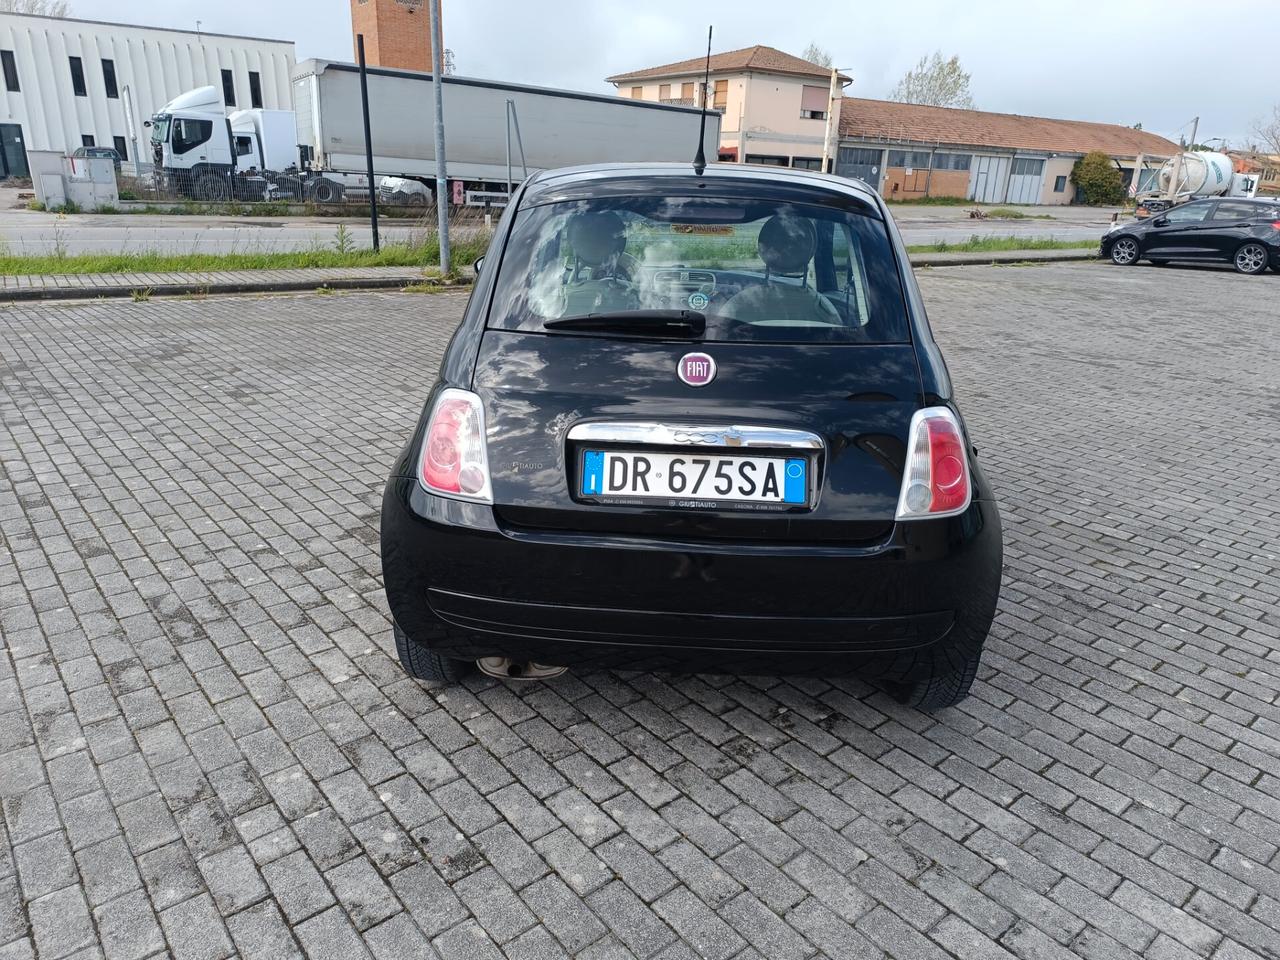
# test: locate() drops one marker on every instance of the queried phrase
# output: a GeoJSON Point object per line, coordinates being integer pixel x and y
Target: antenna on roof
{"type": "Point", "coordinates": [700, 158]}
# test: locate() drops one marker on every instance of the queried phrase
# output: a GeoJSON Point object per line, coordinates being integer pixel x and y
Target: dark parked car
{"type": "Point", "coordinates": [694, 423]}
{"type": "Point", "coordinates": [108, 153]}
{"type": "Point", "coordinates": [1245, 232]}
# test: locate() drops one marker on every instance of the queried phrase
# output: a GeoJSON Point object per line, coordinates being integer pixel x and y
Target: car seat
{"type": "Point", "coordinates": [786, 245]}
{"type": "Point", "coordinates": [598, 240]}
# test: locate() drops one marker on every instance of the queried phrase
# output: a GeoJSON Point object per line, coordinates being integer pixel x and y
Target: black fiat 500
{"type": "Point", "coordinates": [694, 423]}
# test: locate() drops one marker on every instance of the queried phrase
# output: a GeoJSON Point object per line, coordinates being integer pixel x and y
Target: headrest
{"type": "Point", "coordinates": [786, 244]}
{"type": "Point", "coordinates": [597, 237]}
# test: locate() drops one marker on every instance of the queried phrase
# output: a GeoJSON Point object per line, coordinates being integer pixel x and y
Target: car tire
{"type": "Point", "coordinates": [949, 683]}
{"type": "Point", "coordinates": [326, 191]}
{"type": "Point", "coordinates": [1251, 259]}
{"type": "Point", "coordinates": [1124, 252]}
{"type": "Point", "coordinates": [423, 663]}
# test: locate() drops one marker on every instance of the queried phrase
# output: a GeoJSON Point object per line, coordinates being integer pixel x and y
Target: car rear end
{"type": "Point", "coordinates": [696, 435]}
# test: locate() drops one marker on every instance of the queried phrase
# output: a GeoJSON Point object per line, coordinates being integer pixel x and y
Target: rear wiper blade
{"type": "Point", "coordinates": [648, 323]}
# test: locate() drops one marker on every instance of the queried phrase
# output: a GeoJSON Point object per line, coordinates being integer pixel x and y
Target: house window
{"type": "Point", "coordinates": [86, 140]}
{"type": "Point", "coordinates": [637, 93]}
{"type": "Point", "coordinates": [951, 161]}
{"type": "Point", "coordinates": [686, 91]}
{"type": "Point", "coordinates": [664, 92]}
{"type": "Point", "coordinates": [909, 158]}
{"type": "Point", "coordinates": [813, 102]}
{"type": "Point", "coordinates": [1027, 167]}
{"type": "Point", "coordinates": [720, 96]}
{"type": "Point", "coordinates": [10, 71]}
{"type": "Point", "coordinates": [807, 163]}
{"type": "Point", "coordinates": [255, 89]}
{"type": "Point", "coordinates": [109, 79]}
{"type": "Point", "coordinates": [121, 147]}
{"type": "Point", "coordinates": [766, 160]}
{"type": "Point", "coordinates": [77, 77]}
{"type": "Point", "coordinates": [1060, 184]}
{"type": "Point", "coordinates": [228, 88]}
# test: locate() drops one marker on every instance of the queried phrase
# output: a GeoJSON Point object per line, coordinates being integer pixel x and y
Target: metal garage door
{"type": "Point", "coordinates": [1026, 181]}
{"type": "Point", "coordinates": [987, 177]}
{"type": "Point", "coordinates": [860, 163]}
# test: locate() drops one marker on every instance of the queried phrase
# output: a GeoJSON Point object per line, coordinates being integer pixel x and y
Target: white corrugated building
{"type": "Point", "coordinates": [66, 83]}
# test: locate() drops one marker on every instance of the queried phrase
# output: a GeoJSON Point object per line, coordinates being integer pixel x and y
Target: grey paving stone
{"type": "Point", "coordinates": [261, 931]}
{"type": "Point", "coordinates": [128, 928]}
{"type": "Point", "coordinates": [195, 931]}
{"type": "Point", "coordinates": [362, 893]}
{"type": "Point", "coordinates": [330, 935]}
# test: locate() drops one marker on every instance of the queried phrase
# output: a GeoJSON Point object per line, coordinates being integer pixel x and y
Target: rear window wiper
{"type": "Point", "coordinates": [644, 323]}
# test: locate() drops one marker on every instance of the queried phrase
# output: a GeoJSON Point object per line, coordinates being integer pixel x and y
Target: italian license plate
{"type": "Point", "coordinates": [694, 479]}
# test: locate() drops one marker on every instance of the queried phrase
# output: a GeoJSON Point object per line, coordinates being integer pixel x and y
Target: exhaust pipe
{"type": "Point", "coordinates": [504, 668]}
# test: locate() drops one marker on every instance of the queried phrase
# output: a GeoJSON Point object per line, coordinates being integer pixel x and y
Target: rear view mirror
{"type": "Point", "coordinates": [477, 265]}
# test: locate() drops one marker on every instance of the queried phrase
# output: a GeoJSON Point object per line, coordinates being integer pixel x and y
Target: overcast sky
{"type": "Point", "coordinates": [1129, 62]}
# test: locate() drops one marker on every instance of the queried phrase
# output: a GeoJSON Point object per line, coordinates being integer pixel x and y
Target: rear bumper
{"type": "Point", "coordinates": [457, 580]}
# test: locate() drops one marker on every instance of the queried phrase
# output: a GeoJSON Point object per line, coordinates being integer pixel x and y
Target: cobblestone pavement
{"type": "Point", "coordinates": [207, 749]}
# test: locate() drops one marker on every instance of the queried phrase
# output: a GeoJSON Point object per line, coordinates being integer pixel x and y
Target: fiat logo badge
{"type": "Point", "coordinates": [696, 369]}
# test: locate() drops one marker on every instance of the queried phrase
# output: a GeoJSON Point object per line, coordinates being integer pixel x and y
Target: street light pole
{"type": "Point", "coordinates": [442, 178]}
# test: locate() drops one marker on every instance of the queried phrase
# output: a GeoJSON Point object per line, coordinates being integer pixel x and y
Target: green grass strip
{"type": "Point", "coordinates": [425, 255]}
{"type": "Point", "coordinates": [980, 244]}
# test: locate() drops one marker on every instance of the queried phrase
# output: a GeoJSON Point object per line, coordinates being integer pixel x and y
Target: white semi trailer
{"type": "Point", "coordinates": [555, 128]}
{"type": "Point", "coordinates": [204, 153]}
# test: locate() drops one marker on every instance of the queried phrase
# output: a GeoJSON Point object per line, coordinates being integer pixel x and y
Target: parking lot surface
{"type": "Point", "coordinates": [207, 748]}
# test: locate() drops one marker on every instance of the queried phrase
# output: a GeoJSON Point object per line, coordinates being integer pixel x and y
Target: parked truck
{"type": "Point", "coordinates": [1194, 175]}
{"type": "Point", "coordinates": [203, 153]}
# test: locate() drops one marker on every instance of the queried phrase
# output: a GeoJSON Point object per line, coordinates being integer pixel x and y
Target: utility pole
{"type": "Point", "coordinates": [1176, 182]}
{"type": "Point", "coordinates": [368, 140]}
{"type": "Point", "coordinates": [829, 135]}
{"type": "Point", "coordinates": [442, 178]}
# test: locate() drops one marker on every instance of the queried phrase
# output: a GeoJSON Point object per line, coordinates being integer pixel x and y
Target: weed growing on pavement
{"type": "Point", "coordinates": [140, 296]}
{"type": "Point", "coordinates": [342, 241]}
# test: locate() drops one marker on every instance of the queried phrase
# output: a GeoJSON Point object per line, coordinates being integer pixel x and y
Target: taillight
{"type": "Point", "coordinates": [1275, 225]}
{"type": "Point", "coordinates": [453, 461]}
{"type": "Point", "coordinates": [936, 481]}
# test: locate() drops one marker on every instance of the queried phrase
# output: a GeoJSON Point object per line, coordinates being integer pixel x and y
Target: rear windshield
{"type": "Point", "coordinates": [755, 269]}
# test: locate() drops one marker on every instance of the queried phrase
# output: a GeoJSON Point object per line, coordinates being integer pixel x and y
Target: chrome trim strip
{"type": "Point", "coordinates": [695, 434]}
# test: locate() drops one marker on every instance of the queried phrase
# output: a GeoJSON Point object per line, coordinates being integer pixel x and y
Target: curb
{"type": "Point", "coordinates": [961, 259]}
{"type": "Point", "coordinates": [210, 289]}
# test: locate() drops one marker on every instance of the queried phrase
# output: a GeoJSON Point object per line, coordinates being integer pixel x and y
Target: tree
{"type": "Point", "coordinates": [1267, 131]}
{"type": "Point", "coordinates": [43, 8]}
{"type": "Point", "coordinates": [1098, 179]}
{"type": "Point", "coordinates": [816, 54]}
{"type": "Point", "coordinates": [936, 82]}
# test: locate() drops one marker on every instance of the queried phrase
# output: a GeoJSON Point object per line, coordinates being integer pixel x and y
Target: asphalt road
{"type": "Point", "coordinates": [33, 232]}
{"type": "Point", "coordinates": [207, 749]}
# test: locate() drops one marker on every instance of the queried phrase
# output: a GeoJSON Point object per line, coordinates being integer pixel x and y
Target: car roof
{"type": "Point", "coordinates": [583, 177]}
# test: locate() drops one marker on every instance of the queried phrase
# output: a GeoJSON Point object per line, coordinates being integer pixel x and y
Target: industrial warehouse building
{"type": "Point", "coordinates": [908, 151]}
{"type": "Point", "coordinates": [67, 83]}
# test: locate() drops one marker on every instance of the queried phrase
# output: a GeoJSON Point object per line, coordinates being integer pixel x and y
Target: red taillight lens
{"type": "Point", "coordinates": [453, 462]}
{"type": "Point", "coordinates": [936, 479]}
{"type": "Point", "coordinates": [1275, 225]}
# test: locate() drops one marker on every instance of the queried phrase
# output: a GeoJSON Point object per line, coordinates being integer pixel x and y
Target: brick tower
{"type": "Point", "coordinates": [397, 33]}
